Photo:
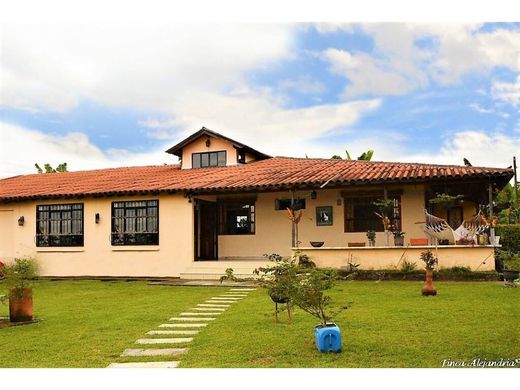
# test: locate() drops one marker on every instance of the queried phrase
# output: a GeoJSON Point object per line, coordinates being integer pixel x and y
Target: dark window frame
{"type": "Point", "coordinates": [352, 225]}
{"type": "Point", "coordinates": [126, 236]}
{"type": "Point", "coordinates": [66, 237]}
{"type": "Point", "coordinates": [220, 156]}
{"type": "Point", "coordinates": [232, 206]}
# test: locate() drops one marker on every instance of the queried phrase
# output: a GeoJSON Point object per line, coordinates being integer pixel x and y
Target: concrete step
{"type": "Point", "coordinates": [170, 332]}
{"type": "Point", "coordinates": [153, 352]}
{"type": "Point", "coordinates": [173, 340]}
{"type": "Point", "coordinates": [213, 270]}
{"type": "Point", "coordinates": [172, 364]}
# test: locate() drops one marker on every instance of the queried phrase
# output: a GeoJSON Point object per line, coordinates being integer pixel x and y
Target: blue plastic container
{"type": "Point", "coordinates": [328, 338]}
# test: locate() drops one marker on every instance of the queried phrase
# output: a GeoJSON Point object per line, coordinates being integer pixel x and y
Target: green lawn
{"type": "Point", "coordinates": [89, 323]}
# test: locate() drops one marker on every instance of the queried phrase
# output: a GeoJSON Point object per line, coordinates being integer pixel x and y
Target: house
{"type": "Point", "coordinates": [225, 205]}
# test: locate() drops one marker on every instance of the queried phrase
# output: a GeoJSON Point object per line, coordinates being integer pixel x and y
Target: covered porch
{"type": "Point", "coordinates": [235, 230]}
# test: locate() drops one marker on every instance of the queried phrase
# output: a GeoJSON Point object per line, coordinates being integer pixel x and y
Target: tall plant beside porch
{"type": "Point", "coordinates": [384, 207]}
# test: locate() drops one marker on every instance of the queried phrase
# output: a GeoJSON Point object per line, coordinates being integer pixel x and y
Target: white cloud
{"type": "Point", "coordinates": [398, 64]}
{"type": "Point", "coordinates": [21, 148]}
{"type": "Point", "coordinates": [477, 107]}
{"type": "Point", "coordinates": [480, 148]}
{"type": "Point", "coordinates": [507, 92]}
{"type": "Point", "coordinates": [260, 121]}
{"type": "Point", "coordinates": [148, 66]}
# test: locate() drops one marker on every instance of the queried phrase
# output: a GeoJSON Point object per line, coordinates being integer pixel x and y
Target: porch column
{"type": "Point", "coordinates": [490, 206]}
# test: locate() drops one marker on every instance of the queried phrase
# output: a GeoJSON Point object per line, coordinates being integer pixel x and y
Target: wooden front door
{"type": "Point", "coordinates": [207, 229]}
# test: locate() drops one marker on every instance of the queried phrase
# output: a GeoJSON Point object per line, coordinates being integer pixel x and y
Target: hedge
{"type": "Point", "coordinates": [509, 237]}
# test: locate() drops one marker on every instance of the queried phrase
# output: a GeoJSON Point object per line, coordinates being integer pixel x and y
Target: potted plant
{"type": "Point", "coordinates": [279, 280]}
{"type": "Point", "coordinates": [371, 235]}
{"type": "Point", "coordinates": [430, 262]}
{"type": "Point", "coordinates": [16, 277]}
{"type": "Point", "coordinates": [398, 237]}
{"type": "Point", "coordinates": [309, 296]}
{"type": "Point", "coordinates": [447, 201]}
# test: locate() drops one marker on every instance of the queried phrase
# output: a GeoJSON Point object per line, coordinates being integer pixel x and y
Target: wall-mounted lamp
{"type": "Point", "coordinates": [338, 202]}
{"type": "Point", "coordinates": [208, 142]}
{"type": "Point", "coordinates": [314, 194]}
{"type": "Point", "coordinates": [96, 217]}
{"type": "Point", "coordinates": [21, 221]}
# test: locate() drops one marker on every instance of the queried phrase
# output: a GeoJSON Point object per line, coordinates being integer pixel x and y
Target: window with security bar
{"type": "Point", "coordinates": [135, 222]}
{"type": "Point", "coordinates": [59, 225]}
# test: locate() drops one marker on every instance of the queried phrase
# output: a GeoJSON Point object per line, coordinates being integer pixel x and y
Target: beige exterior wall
{"type": "Point", "coordinates": [175, 253]}
{"type": "Point", "coordinates": [479, 258]}
{"type": "Point", "coordinates": [8, 226]}
{"type": "Point", "coordinates": [216, 145]}
{"type": "Point", "coordinates": [98, 257]}
{"type": "Point", "coordinates": [273, 228]}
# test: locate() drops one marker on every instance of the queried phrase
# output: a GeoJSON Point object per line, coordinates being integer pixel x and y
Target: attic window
{"type": "Point", "coordinates": [209, 159]}
{"type": "Point", "coordinates": [241, 157]}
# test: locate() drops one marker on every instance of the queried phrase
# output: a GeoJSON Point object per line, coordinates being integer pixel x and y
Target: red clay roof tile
{"type": "Point", "coordinates": [277, 172]}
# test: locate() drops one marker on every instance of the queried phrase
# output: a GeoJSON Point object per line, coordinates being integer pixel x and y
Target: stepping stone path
{"type": "Point", "coordinates": [201, 315]}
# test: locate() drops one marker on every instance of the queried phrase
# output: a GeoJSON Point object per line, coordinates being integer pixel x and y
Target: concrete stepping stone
{"type": "Point", "coordinates": [182, 325]}
{"type": "Point", "coordinates": [192, 319]}
{"type": "Point", "coordinates": [226, 298]}
{"type": "Point", "coordinates": [242, 289]}
{"type": "Point", "coordinates": [233, 295]}
{"type": "Point", "coordinates": [168, 332]}
{"type": "Point", "coordinates": [200, 314]}
{"type": "Point", "coordinates": [206, 305]}
{"type": "Point", "coordinates": [175, 340]}
{"type": "Point", "coordinates": [221, 301]}
{"type": "Point", "coordinates": [145, 365]}
{"type": "Point", "coordinates": [153, 352]}
{"type": "Point", "coordinates": [209, 309]}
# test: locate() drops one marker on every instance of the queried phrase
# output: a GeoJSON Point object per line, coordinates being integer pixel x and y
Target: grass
{"type": "Point", "coordinates": [89, 323]}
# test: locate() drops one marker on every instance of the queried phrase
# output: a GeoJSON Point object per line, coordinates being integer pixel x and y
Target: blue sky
{"type": "Point", "coordinates": [103, 95]}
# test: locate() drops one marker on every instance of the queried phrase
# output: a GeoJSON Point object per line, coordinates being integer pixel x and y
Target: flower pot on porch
{"type": "Point", "coordinates": [399, 241]}
{"type": "Point", "coordinates": [21, 305]}
{"type": "Point", "coordinates": [428, 288]}
{"type": "Point", "coordinates": [328, 338]}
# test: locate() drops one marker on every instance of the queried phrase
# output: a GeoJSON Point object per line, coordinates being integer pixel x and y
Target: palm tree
{"type": "Point", "coordinates": [366, 156]}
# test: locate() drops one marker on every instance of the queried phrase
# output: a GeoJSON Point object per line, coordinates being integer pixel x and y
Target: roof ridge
{"type": "Point", "coordinates": [94, 170]}
{"type": "Point", "coordinates": [387, 162]}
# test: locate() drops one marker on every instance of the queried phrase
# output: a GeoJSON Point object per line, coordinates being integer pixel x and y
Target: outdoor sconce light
{"type": "Point", "coordinates": [21, 221]}
{"type": "Point", "coordinates": [338, 202]}
{"type": "Point", "coordinates": [208, 142]}
{"type": "Point", "coordinates": [314, 194]}
{"type": "Point", "coordinates": [96, 217]}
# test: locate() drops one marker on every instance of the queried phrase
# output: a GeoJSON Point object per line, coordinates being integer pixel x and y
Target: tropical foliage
{"type": "Point", "coordinates": [47, 168]}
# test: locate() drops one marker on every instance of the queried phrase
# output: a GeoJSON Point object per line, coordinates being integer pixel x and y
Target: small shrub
{"type": "Point", "coordinates": [509, 237]}
{"type": "Point", "coordinates": [230, 275]}
{"type": "Point", "coordinates": [17, 275]}
{"type": "Point", "coordinates": [457, 269]}
{"type": "Point", "coordinates": [309, 296]}
{"type": "Point", "coordinates": [408, 266]}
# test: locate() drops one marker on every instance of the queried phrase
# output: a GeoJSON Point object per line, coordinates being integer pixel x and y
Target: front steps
{"type": "Point", "coordinates": [213, 270]}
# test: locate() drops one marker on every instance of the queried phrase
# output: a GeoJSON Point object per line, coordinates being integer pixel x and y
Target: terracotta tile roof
{"type": "Point", "coordinates": [270, 174]}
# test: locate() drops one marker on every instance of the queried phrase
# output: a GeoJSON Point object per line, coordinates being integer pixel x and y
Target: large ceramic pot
{"type": "Point", "coordinates": [399, 241]}
{"type": "Point", "coordinates": [327, 338]}
{"type": "Point", "coordinates": [21, 306]}
{"type": "Point", "coordinates": [428, 288]}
